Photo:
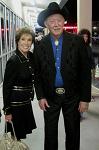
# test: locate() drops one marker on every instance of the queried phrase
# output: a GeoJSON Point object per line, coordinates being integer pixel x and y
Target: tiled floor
{"type": "Point", "coordinates": [89, 128]}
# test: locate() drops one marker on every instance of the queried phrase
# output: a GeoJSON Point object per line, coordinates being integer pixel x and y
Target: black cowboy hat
{"type": "Point", "coordinates": [53, 8]}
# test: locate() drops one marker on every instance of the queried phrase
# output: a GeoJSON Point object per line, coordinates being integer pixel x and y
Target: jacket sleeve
{"type": "Point", "coordinates": [9, 78]}
{"type": "Point", "coordinates": [85, 73]}
{"type": "Point", "coordinates": [37, 75]}
{"type": "Point", "coordinates": [92, 60]}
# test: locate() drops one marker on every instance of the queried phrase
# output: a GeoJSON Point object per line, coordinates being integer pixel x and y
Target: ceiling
{"type": "Point", "coordinates": [38, 3]}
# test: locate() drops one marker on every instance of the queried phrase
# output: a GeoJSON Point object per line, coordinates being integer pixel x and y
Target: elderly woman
{"type": "Point", "coordinates": [18, 86]}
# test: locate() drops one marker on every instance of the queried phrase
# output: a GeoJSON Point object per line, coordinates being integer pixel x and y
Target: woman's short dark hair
{"type": "Point", "coordinates": [85, 31]}
{"type": "Point", "coordinates": [24, 30]}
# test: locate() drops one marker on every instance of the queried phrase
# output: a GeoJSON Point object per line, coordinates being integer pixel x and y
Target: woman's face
{"type": "Point", "coordinates": [55, 24]}
{"type": "Point", "coordinates": [85, 36]}
{"type": "Point", "coordinates": [24, 43]}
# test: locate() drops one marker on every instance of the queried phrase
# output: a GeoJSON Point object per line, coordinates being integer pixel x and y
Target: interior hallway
{"type": "Point", "coordinates": [89, 127]}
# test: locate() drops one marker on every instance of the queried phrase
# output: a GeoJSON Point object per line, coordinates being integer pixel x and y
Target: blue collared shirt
{"type": "Point", "coordinates": [57, 55]}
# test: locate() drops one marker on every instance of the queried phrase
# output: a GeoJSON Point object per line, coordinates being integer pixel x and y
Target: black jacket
{"type": "Point", "coordinates": [75, 68]}
{"type": "Point", "coordinates": [18, 80]}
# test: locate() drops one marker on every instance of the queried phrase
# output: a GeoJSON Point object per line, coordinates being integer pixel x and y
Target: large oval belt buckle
{"type": "Point", "coordinates": [60, 91]}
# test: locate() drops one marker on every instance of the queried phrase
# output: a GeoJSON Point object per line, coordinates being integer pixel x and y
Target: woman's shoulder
{"type": "Point", "coordinates": [13, 59]}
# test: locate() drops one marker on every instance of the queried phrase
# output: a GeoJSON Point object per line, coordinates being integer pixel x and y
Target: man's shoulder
{"type": "Point", "coordinates": [73, 38]}
{"type": "Point", "coordinates": [72, 35]}
{"type": "Point", "coordinates": [45, 38]}
{"type": "Point", "coordinates": [43, 42]}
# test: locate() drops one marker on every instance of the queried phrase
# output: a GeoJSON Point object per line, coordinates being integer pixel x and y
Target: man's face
{"type": "Point", "coordinates": [55, 24]}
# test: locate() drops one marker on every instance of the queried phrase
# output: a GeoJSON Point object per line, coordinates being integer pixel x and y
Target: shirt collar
{"type": "Point", "coordinates": [22, 57]}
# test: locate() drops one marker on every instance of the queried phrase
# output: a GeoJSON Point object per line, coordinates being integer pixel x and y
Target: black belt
{"type": "Point", "coordinates": [60, 90]}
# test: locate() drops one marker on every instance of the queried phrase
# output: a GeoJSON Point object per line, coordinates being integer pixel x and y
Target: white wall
{"type": "Point", "coordinates": [15, 5]}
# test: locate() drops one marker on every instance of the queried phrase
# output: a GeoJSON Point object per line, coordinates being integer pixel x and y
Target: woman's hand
{"type": "Point", "coordinates": [8, 118]}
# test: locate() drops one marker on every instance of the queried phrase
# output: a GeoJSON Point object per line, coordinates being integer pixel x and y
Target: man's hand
{"type": "Point", "coordinates": [83, 106]}
{"type": "Point", "coordinates": [43, 104]}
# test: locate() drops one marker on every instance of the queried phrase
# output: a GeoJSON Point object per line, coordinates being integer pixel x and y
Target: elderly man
{"type": "Point", "coordinates": [62, 78]}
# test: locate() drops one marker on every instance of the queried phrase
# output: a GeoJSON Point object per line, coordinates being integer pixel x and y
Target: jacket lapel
{"type": "Point", "coordinates": [67, 43]}
{"type": "Point", "coordinates": [50, 53]}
